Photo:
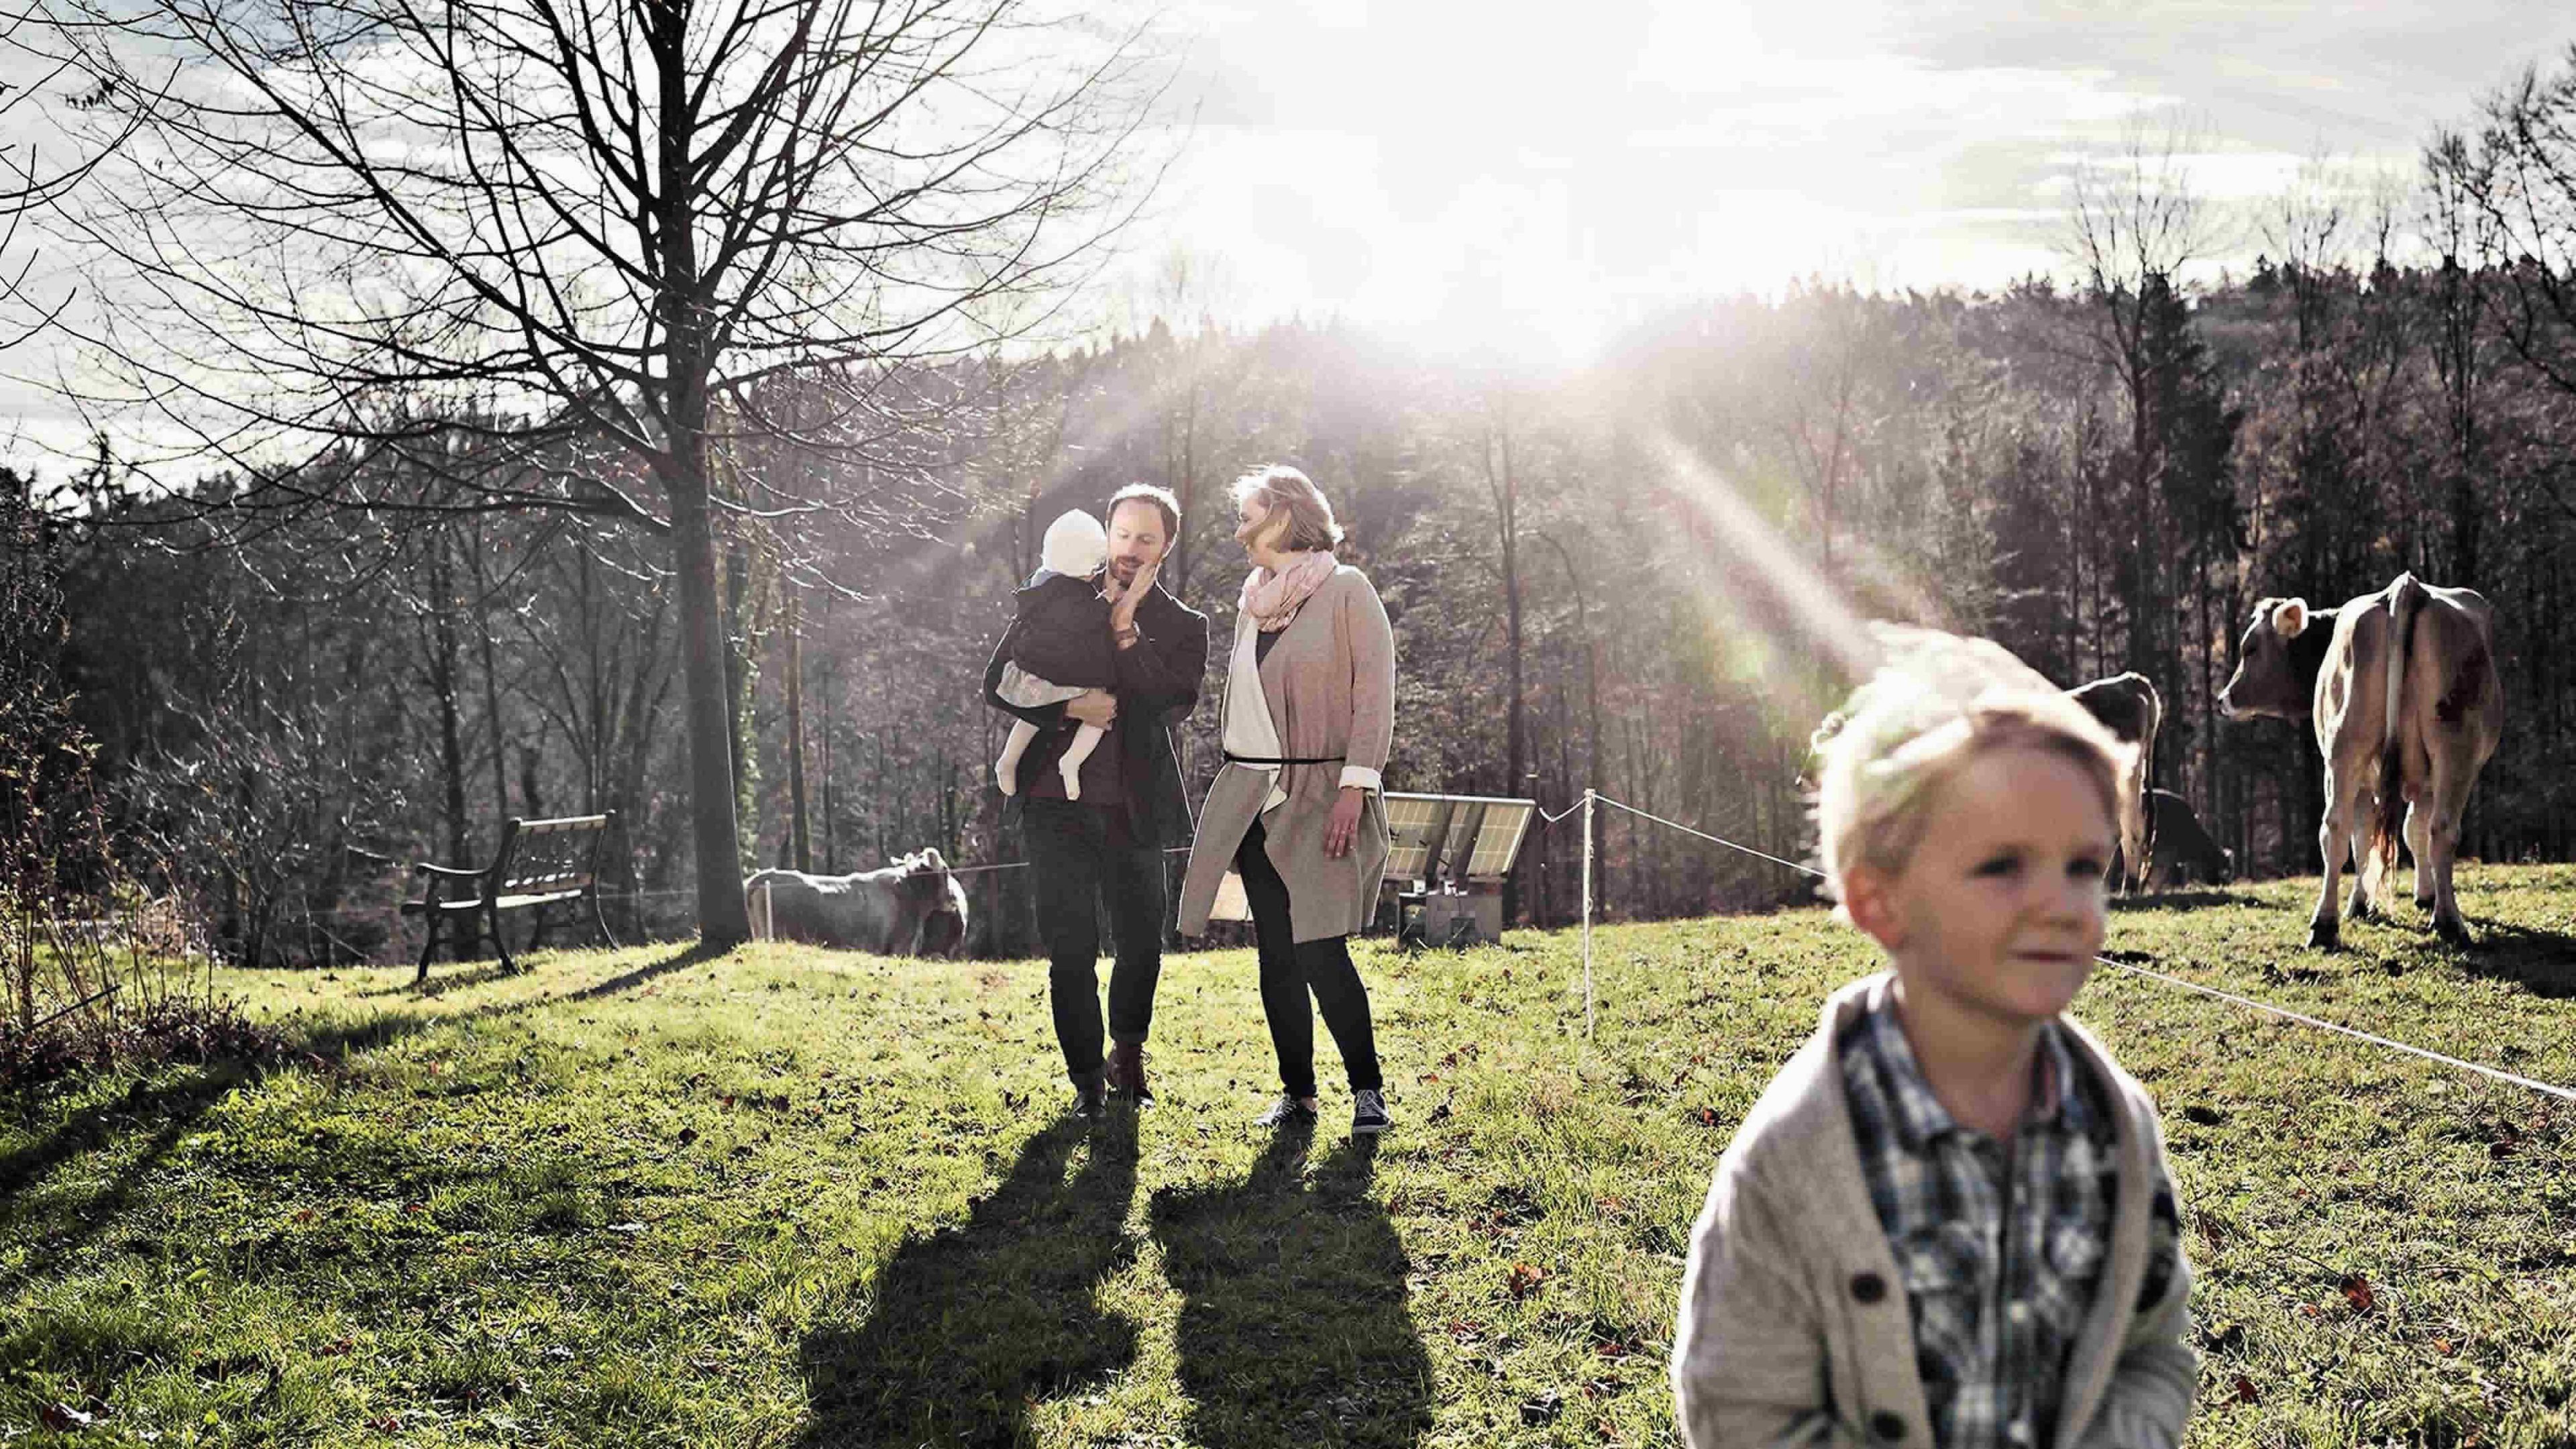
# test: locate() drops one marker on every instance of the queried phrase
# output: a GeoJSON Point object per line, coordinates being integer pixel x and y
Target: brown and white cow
{"type": "Point", "coordinates": [2128, 707]}
{"type": "Point", "coordinates": [2401, 686]}
{"type": "Point", "coordinates": [913, 907]}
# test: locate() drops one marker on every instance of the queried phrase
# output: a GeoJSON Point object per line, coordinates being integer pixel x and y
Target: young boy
{"type": "Point", "coordinates": [1949, 1220]}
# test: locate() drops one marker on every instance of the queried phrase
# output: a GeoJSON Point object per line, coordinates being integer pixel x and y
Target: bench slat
{"type": "Point", "coordinates": [569, 822]}
{"type": "Point", "coordinates": [509, 902]}
{"type": "Point", "coordinates": [506, 903]}
{"type": "Point", "coordinates": [548, 880]}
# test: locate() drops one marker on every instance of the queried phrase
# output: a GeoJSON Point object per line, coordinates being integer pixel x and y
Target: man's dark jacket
{"type": "Point", "coordinates": [1156, 682]}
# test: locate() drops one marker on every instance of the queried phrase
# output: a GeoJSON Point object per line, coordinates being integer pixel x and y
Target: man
{"type": "Point", "coordinates": [1155, 648]}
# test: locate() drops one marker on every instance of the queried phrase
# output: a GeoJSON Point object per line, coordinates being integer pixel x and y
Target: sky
{"type": "Point", "coordinates": [1482, 174]}
{"type": "Point", "coordinates": [1486, 174]}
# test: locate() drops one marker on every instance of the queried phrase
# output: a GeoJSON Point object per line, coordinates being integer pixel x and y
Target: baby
{"type": "Point", "coordinates": [1062, 600]}
{"type": "Point", "coordinates": [1949, 1221]}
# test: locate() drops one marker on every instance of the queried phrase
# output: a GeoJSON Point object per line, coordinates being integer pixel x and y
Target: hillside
{"type": "Point", "coordinates": [786, 1196]}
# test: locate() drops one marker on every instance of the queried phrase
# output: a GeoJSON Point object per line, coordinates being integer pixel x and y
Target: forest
{"type": "Point", "coordinates": [2101, 482]}
{"type": "Point", "coordinates": [1638, 573]}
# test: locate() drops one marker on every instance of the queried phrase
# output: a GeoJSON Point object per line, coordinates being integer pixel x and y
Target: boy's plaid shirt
{"type": "Point", "coordinates": [2001, 1252]}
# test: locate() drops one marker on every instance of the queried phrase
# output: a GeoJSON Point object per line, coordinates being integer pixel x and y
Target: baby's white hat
{"type": "Point", "coordinates": [1076, 544]}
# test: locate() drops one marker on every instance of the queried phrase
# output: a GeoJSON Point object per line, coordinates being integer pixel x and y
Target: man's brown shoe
{"type": "Point", "coordinates": [1127, 1073]}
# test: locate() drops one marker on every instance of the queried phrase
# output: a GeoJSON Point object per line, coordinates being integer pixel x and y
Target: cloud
{"type": "Point", "coordinates": [1438, 154]}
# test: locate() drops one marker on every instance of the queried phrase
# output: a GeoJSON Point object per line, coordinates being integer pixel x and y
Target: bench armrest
{"type": "Point", "coordinates": [450, 871]}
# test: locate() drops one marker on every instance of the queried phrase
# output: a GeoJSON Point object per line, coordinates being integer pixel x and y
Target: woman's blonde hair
{"type": "Point", "coordinates": [1935, 703]}
{"type": "Point", "coordinates": [1310, 518]}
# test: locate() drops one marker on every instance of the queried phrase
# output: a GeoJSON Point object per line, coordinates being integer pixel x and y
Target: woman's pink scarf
{"type": "Point", "coordinates": [1273, 599]}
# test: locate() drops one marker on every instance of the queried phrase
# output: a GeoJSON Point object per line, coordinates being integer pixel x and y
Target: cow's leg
{"type": "Point", "coordinates": [2450, 801]}
{"type": "Point", "coordinates": [2419, 841]}
{"type": "Point", "coordinates": [2334, 837]}
{"type": "Point", "coordinates": [2359, 906]}
{"type": "Point", "coordinates": [2135, 866]}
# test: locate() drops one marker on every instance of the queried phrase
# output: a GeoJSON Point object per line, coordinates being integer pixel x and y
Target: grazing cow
{"type": "Point", "coordinates": [2401, 687]}
{"type": "Point", "coordinates": [2127, 706]}
{"type": "Point", "coordinates": [913, 907]}
{"type": "Point", "coordinates": [2183, 850]}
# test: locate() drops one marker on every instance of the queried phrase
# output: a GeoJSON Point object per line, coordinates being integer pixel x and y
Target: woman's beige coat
{"type": "Point", "coordinates": [1330, 682]}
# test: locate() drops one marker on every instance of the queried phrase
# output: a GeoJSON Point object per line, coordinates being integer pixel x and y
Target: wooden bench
{"type": "Point", "coordinates": [539, 862]}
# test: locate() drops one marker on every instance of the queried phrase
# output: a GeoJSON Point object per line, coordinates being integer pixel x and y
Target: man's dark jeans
{"type": "Point", "coordinates": [1074, 851]}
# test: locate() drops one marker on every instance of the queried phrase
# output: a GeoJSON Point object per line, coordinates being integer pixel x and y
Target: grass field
{"type": "Point", "coordinates": [791, 1197]}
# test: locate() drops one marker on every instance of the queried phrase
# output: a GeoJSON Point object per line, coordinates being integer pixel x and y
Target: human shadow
{"type": "Point", "coordinates": [1293, 1329]}
{"type": "Point", "coordinates": [966, 1327]}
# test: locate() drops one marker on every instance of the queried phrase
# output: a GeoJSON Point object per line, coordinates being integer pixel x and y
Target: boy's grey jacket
{"type": "Point", "coordinates": [1794, 1327]}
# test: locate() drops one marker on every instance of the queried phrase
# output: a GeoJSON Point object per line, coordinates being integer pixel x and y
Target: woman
{"type": "Point", "coordinates": [1309, 716]}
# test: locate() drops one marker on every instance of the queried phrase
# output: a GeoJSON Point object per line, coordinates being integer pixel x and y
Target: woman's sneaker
{"type": "Point", "coordinates": [1286, 1112]}
{"type": "Point", "coordinates": [1368, 1113]}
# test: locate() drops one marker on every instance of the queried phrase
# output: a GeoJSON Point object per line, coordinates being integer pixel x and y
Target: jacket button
{"type": "Point", "coordinates": [1869, 1288]}
{"type": "Point", "coordinates": [1886, 1427]}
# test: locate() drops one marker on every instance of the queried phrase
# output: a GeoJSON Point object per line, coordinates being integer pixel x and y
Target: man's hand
{"type": "Point", "coordinates": [1345, 823]}
{"type": "Point", "coordinates": [1123, 601]}
{"type": "Point", "coordinates": [1094, 707]}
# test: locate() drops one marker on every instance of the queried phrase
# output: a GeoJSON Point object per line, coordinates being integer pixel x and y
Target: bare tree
{"type": "Point", "coordinates": [30, 182]}
{"type": "Point", "coordinates": [2463, 234]}
{"type": "Point", "coordinates": [2511, 196]}
{"type": "Point", "coordinates": [1502, 485]}
{"type": "Point", "coordinates": [351, 219]}
{"type": "Point", "coordinates": [1189, 293]}
{"type": "Point", "coordinates": [2134, 224]}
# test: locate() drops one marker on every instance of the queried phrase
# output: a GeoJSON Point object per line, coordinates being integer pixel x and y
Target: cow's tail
{"type": "Point", "coordinates": [2406, 600]}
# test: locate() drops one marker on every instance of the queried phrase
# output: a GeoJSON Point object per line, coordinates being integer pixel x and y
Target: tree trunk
{"type": "Point", "coordinates": [722, 919]}
{"type": "Point", "coordinates": [1506, 491]}
{"type": "Point", "coordinates": [739, 633]}
{"type": "Point", "coordinates": [491, 680]}
{"type": "Point", "coordinates": [643, 713]}
{"type": "Point", "coordinates": [831, 677]}
{"type": "Point", "coordinates": [443, 670]}
{"type": "Point", "coordinates": [799, 834]}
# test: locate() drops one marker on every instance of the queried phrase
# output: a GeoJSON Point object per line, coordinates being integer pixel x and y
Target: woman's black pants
{"type": "Point", "coordinates": [1290, 968]}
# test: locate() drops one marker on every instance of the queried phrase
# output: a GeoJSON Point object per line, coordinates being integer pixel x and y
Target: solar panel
{"type": "Point", "coordinates": [1410, 822]}
{"type": "Point", "coordinates": [1432, 835]}
{"type": "Point", "coordinates": [1484, 831]}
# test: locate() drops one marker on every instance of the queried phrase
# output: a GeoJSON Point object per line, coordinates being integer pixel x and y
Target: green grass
{"type": "Point", "coordinates": [795, 1197]}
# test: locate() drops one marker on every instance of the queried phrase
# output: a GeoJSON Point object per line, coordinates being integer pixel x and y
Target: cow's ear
{"type": "Point", "coordinates": [2290, 617]}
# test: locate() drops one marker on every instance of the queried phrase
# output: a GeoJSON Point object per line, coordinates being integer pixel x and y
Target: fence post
{"type": "Point", "coordinates": [1589, 796]}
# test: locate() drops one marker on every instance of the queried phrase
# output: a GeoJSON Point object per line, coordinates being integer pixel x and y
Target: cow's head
{"type": "Point", "coordinates": [937, 897]}
{"type": "Point", "coordinates": [943, 931]}
{"type": "Point", "coordinates": [923, 876]}
{"type": "Point", "coordinates": [2268, 677]}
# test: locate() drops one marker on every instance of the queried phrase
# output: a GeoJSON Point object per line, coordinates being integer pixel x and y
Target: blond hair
{"type": "Point", "coordinates": [1935, 703]}
{"type": "Point", "coordinates": [1310, 518]}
